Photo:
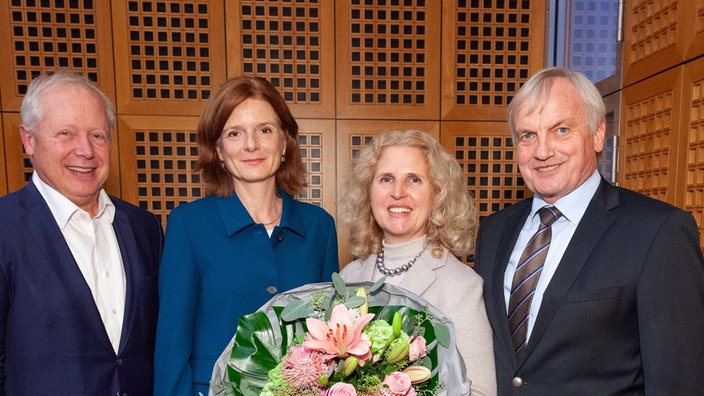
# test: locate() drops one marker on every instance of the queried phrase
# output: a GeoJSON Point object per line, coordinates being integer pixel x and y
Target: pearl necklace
{"type": "Point", "coordinates": [395, 271]}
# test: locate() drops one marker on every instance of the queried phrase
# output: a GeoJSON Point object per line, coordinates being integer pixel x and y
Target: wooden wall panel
{"type": "Point", "coordinates": [353, 135]}
{"type": "Point", "coordinates": [651, 141]}
{"type": "Point", "coordinates": [157, 158]}
{"type": "Point", "coordinates": [489, 50]}
{"type": "Point", "coordinates": [42, 36]}
{"type": "Point", "coordinates": [486, 153]}
{"type": "Point", "coordinates": [388, 60]}
{"type": "Point", "coordinates": [317, 143]}
{"type": "Point", "coordinates": [654, 37]}
{"type": "Point", "coordinates": [169, 56]}
{"type": "Point", "coordinates": [17, 164]}
{"type": "Point", "coordinates": [693, 107]}
{"type": "Point", "coordinates": [291, 44]}
{"type": "Point", "coordinates": [695, 29]}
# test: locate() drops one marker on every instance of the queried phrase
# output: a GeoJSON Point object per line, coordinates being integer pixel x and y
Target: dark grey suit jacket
{"type": "Point", "coordinates": [623, 313]}
{"type": "Point", "coordinates": [52, 339]}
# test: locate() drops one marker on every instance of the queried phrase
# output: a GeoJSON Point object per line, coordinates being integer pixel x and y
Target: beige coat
{"type": "Point", "coordinates": [456, 290]}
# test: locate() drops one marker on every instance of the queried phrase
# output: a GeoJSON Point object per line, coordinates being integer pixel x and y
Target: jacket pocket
{"type": "Point", "coordinates": [595, 294]}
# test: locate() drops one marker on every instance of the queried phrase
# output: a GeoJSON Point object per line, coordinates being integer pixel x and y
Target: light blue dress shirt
{"type": "Point", "coordinates": [572, 206]}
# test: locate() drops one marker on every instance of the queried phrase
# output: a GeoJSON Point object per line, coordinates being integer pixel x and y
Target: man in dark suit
{"type": "Point", "coordinates": [78, 268]}
{"type": "Point", "coordinates": [618, 307]}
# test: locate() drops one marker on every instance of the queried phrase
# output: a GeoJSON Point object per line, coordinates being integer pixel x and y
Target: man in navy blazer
{"type": "Point", "coordinates": [618, 308]}
{"type": "Point", "coordinates": [78, 268]}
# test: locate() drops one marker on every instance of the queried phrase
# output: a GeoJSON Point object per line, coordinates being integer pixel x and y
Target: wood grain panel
{"type": "Point", "coordinates": [693, 106]}
{"type": "Point", "coordinates": [157, 158]}
{"type": "Point", "coordinates": [654, 37]}
{"type": "Point", "coordinates": [694, 29]}
{"type": "Point", "coordinates": [650, 140]}
{"type": "Point", "coordinates": [170, 56]}
{"type": "Point", "coordinates": [291, 44]}
{"type": "Point", "coordinates": [317, 143]}
{"type": "Point", "coordinates": [489, 50]}
{"type": "Point", "coordinates": [388, 60]}
{"type": "Point", "coordinates": [17, 163]}
{"type": "Point", "coordinates": [486, 154]}
{"type": "Point", "coordinates": [37, 37]}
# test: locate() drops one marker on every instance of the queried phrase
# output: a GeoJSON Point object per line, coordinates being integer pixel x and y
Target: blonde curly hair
{"type": "Point", "coordinates": [452, 219]}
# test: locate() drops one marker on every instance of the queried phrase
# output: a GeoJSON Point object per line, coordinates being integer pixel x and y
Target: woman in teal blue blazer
{"type": "Point", "coordinates": [230, 252]}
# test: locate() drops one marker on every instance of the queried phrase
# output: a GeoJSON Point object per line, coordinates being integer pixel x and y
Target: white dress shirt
{"type": "Point", "coordinates": [572, 206]}
{"type": "Point", "coordinates": [94, 247]}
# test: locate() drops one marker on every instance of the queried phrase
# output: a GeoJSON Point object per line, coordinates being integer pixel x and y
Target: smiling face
{"type": "Point", "coordinates": [402, 195]}
{"type": "Point", "coordinates": [252, 143]}
{"type": "Point", "coordinates": [70, 145]}
{"type": "Point", "coordinates": [556, 151]}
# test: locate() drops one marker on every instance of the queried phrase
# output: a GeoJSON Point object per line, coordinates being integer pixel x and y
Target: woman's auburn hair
{"type": "Point", "coordinates": [452, 219]}
{"type": "Point", "coordinates": [290, 176]}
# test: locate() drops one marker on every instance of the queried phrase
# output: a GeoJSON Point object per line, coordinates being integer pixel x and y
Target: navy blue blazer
{"type": "Point", "coordinates": [623, 313]}
{"type": "Point", "coordinates": [53, 341]}
{"type": "Point", "coordinates": [218, 265]}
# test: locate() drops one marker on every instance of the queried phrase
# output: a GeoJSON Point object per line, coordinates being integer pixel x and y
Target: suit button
{"type": "Point", "coordinates": [271, 289]}
{"type": "Point", "coordinates": [517, 382]}
{"type": "Point", "coordinates": [119, 361]}
{"type": "Point", "coordinates": [280, 236]}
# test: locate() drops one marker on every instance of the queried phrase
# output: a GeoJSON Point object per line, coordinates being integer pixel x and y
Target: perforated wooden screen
{"type": "Point", "coordinates": [170, 55]}
{"type": "Point", "coordinates": [316, 140]}
{"type": "Point", "coordinates": [486, 154]}
{"type": "Point", "coordinates": [291, 44]}
{"type": "Point", "coordinates": [489, 49]}
{"type": "Point", "coordinates": [656, 36]}
{"type": "Point", "coordinates": [694, 102]}
{"type": "Point", "coordinates": [650, 136]}
{"type": "Point", "coordinates": [158, 174]}
{"type": "Point", "coordinates": [694, 37]}
{"type": "Point", "coordinates": [43, 36]}
{"type": "Point", "coordinates": [387, 59]}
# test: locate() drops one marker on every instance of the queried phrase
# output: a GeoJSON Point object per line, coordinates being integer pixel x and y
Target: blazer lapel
{"type": "Point", "coordinates": [128, 250]}
{"type": "Point", "coordinates": [596, 220]}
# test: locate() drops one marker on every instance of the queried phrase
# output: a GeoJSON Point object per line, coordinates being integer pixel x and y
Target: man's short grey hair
{"type": "Point", "coordinates": [32, 111]}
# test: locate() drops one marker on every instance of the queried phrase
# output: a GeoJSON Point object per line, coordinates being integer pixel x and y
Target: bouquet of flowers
{"type": "Point", "coordinates": [335, 339]}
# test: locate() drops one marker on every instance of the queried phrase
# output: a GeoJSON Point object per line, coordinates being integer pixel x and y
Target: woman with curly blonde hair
{"type": "Point", "coordinates": [409, 215]}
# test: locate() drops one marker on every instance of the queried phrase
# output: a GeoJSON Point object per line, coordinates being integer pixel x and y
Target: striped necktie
{"type": "Point", "coordinates": [526, 278]}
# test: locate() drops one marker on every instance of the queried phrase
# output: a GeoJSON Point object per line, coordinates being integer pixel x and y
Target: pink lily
{"type": "Point", "coordinates": [341, 337]}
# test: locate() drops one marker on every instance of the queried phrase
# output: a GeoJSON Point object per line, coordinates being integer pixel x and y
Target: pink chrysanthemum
{"type": "Point", "coordinates": [302, 367]}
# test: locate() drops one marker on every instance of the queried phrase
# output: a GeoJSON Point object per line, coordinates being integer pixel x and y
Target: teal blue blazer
{"type": "Point", "coordinates": [218, 265]}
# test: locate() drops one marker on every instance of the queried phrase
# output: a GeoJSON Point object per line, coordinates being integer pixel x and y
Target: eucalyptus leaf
{"type": "Point", "coordinates": [297, 309]}
{"type": "Point", "coordinates": [442, 333]}
{"type": "Point", "coordinates": [327, 302]}
{"type": "Point", "coordinates": [339, 284]}
{"type": "Point", "coordinates": [355, 301]}
{"type": "Point", "coordinates": [377, 285]}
